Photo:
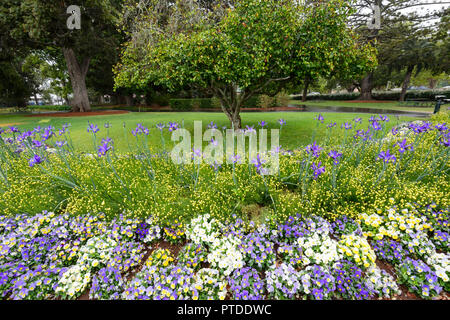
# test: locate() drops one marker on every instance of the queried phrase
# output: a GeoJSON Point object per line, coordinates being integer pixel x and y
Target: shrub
{"type": "Point", "coordinates": [160, 99]}
{"type": "Point", "coordinates": [216, 103]}
{"type": "Point", "coordinates": [252, 102]}
{"type": "Point", "coordinates": [50, 107]}
{"type": "Point", "coordinates": [202, 103]}
{"type": "Point", "coordinates": [181, 104]}
{"type": "Point", "coordinates": [282, 99]}
{"type": "Point", "coordinates": [428, 95]}
{"type": "Point", "coordinates": [265, 101]}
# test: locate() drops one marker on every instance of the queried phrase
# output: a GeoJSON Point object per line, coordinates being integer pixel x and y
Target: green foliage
{"type": "Point", "coordinates": [81, 183]}
{"type": "Point", "coordinates": [382, 95]}
{"type": "Point", "coordinates": [265, 101]}
{"type": "Point", "coordinates": [181, 104]}
{"type": "Point", "coordinates": [255, 44]}
{"type": "Point", "coordinates": [203, 103]}
{"type": "Point", "coordinates": [50, 107]}
{"type": "Point", "coordinates": [282, 99]}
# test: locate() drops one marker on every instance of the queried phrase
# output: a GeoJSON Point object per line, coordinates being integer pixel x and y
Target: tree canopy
{"type": "Point", "coordinates": [254, 44]}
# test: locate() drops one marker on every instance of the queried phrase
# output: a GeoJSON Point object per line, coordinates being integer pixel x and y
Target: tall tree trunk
{"type": "Point", "coordinates": [129, 100]}
{"type": "Point", "coordinates": [406, 82]}
{"type": "Point", "coordinates": [366, 87]}
{"type": "Point", "coordinates": [36, 99]}
{"type": "Point", "coordinates": [77, 73]}
{"type": "Point", "coordinates": [305, 89]}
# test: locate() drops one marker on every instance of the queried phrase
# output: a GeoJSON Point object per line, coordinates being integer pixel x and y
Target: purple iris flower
{"type": "Point", "coordinates": [282, 122]}
{"type": "Point", "coordinates": [359, 134]}
{"type": "Point", "coordinates": [258, 162]}
{"type": "Point", "coordinates": [387, 157]}
{"type": "Point", "coordinates": [346, 126]}
{"type": "Point", "coordinates": [197, 153]}
{"type": "Point", "coordinates": [445, 141]}
{"type": "Point", "coordinates": [212, 125]}
{"type": "Point", "coordinates": [335, 156]}
{"type": "Point", "coordinates": [314, 149]}
{"type": "Point", "coordinates": [36, 159]}
{"type": "Point", "coordinates": [173, 126]}
{"type": "Point", "coordinates": [402, 146]}
{"type": "Point", "coordinates": [367, 135]}
{"type": "Point", "coordinates": [93, 128]}
{"type": "Point", "coordinates": [441, 127]}
{"type": "Point", "coordinates": [357, 120]}
{"type": "Point", "coordinates": [320, 118]}
{"type": "Point", "coordinates": [60, 144]}
{"type": "Point", "coordinates": [376, 125]}
{"type": "Point", "coordinates": [37, 143]}
{"type": "Point", "coordinates": [160, 126]}
{"type": "Point", "coordinates": [48, 133]}
{"type": "Point", "coordinates": [394, 131]}
{"type": "Point", "coordinates": [216, 166]}
{"type": "Point", "coordinates": [249, 129]}
{"type": "Point", "coordinates": [318, 169]}
{"type": "Point", "coordinates": [262, 123]}
{"type": "Point", "coordinates": [236, 158]}
{"type": "Point", "coordinates": [14, 129]}
{"type": "Point", "coordinates": [331, 125]}
{"type": "Point", "coordinates": [383, 118]}
{"type": "Point", "coordinates": [104, 147]}
{"type": "Point", "coordinates": [214, 142]}
{"type": "Point", "coordinates": [424, 127]}
{"type": "Point", "coordinates": [140, 129]}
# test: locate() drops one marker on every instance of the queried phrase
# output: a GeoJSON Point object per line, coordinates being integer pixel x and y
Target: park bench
{"type": "Point", "coordinates": [440, 100]}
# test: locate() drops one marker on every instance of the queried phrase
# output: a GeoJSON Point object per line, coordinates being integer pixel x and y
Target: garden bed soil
{"type": "Point", "coordinates": [78, 114]}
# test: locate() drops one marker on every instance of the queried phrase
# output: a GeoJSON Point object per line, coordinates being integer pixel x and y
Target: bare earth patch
{"type": "Point", "coordinates": [10, 124]}
{"type": "Point", "coordinates": [78, 114]}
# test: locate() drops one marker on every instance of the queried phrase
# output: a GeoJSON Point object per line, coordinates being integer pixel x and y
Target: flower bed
{"type": "Point", "coordinates": [50, 256]}
{"type": "Point", "coordinates": [362, 214]}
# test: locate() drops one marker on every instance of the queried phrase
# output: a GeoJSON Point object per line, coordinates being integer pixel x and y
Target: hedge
{"type": "Point", "coordinates": [382, 95]}
{"type": "Point", "coordinates": [181, 104]}
{"type": "Point", "coordinates": [50, 107]}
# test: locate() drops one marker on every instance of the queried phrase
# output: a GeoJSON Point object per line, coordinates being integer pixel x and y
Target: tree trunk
{"type": "Point", "coordinates": [305, 89]}
{"type": "Point", "coordinates": [432, 83]}
{"type": "Point", "coordinates": [406, 82]}
{"type": "Point", "coordinates": [129, 100]}
{"type": "Point", "coordinates": [36, 99]}
{"type": "Point", "coordinates": [232, 115]}
{"type": "Point", "coordinates": [366, 87]}
{"type": "Point", "coordinates": [77, 73]}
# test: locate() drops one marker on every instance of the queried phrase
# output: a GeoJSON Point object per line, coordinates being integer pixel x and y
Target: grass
{"type": "Point", "coordinates": [297, 132]}
{"type": "Point", "coordinates": [390, 105]}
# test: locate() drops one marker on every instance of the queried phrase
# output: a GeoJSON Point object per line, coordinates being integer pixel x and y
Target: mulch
{"type": "Point", "coordinates": [77, 114]}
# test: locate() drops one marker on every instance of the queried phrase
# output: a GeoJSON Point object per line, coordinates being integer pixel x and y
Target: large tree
{"type": "Point", "coordinates": [418, 14]}
{"type": "Point", "coordinates": [40, 24]}
{"type": "Point", "coordinates": [255, 44]}
{"type": "Point", "coordinates": [414, 51]}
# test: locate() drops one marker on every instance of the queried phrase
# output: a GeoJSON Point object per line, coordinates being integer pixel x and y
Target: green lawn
{"type": "Point", "coordinates": [298, 130]}
{"type": "Point", "coordinates": [391, 105]}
